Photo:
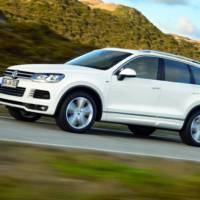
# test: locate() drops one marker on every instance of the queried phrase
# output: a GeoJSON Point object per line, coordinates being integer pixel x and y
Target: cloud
{"type": "Point", "coordinates": [172, 2]}
{"type": "Point", "coordinates": [185, 26]}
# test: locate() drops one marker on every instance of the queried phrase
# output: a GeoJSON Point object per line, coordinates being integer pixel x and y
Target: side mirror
{"type": "Point", "coordinates": [128, 72]}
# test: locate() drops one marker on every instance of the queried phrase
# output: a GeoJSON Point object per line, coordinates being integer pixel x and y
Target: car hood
{"type": "Point", "coordinates": [52, 68]}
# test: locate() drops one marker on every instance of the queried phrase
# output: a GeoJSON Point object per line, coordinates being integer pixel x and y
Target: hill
{"type": "Point", "coordinates": [49, 31]}
{"type": "Point", "coordinates": [186, 39]}
{"type": "Point", "coordinates": [23, 43]}
{"type": "Point", "coordinates": [100, 4]}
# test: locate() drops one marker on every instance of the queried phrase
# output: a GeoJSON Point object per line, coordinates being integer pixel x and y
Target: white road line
{"type": "Point", "coordinates": [108, 150]}
{"type": "Point", "coordinates": [4, 117]}
{"type": "Point", "coordinates": [95, 149]}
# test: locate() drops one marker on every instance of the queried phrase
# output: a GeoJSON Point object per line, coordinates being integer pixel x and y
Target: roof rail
{"type": "Point", "coordinates": [171, 55]}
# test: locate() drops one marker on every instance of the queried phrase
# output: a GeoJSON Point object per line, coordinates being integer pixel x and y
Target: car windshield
{"type": "Point", "coordinates": [100, 59]}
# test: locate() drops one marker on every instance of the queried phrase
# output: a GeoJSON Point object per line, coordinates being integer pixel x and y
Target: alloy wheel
{"type": "Point", "coordinates": [79, 112]}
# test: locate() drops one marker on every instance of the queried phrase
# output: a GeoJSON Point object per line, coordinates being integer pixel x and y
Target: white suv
{"type": "Point", "coordinates": [147, 90]}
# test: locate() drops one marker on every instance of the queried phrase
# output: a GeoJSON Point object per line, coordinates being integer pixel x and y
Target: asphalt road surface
{"type": "Point", "coordinates": [161, 144]}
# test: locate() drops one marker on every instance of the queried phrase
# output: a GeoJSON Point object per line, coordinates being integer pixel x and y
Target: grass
{"type": "Point", "coordinates": [28, 172]}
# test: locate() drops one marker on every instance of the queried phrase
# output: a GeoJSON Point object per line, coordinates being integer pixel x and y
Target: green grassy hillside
{"type": "Point", "coordinates": [36, 173]}
{"type": "Point", "coordinates": [23, 43]}
{"type": "Point", "coordinates": [54, 30]}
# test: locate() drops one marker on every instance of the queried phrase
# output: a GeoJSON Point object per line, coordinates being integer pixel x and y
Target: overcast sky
{"type": "Point", "coordinates": [171, 16]}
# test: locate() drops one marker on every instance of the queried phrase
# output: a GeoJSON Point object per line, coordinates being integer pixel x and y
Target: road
{"type": "Point", "coordinates": [161, 144]}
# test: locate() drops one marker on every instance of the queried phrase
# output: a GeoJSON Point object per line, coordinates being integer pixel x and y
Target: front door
{"type": "Point", "coordinates": [136, 98]}
{"type": "Point", "coordinates": [177, 90]}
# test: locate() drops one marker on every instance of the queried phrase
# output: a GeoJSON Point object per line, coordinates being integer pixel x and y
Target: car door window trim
{"type": "Point", "coordinates": [118, 70]}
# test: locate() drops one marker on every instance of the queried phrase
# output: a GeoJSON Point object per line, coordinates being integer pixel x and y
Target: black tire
{"type": "Point", "coordinates": [186, 133]}
{"type": "Point", "coordinates": [61, 116]}
{"type": "Point", "coordinates": [141, 131]}
{"type": "Point", "coordinates": [22, 115]}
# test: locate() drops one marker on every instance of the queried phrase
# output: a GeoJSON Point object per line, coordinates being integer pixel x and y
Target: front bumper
{"type": "Point", "coordinates": [25, 106]}
{"type": "Point", "coordinates": [31, 104]}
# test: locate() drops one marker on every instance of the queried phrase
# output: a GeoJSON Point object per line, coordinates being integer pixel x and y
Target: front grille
{"type": "Point", "coordinates": [20, 74]}
{"type": "Point", "coordinates": [19, 92]}
{"type": "Point", "coordinates": [41, 94]}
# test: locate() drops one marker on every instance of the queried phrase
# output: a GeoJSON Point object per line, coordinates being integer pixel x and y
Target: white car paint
{"type": "Point", "coordinates": [1, 79]}
{"type": "Point", "coordinates": [139, 101]}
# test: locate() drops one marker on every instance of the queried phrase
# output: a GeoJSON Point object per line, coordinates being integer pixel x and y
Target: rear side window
{"type": "Point", "coordinates": [196, 74]}
{"type": "Point", "coordinates": [145, 67]}
{"type": "Point", "coordinates": [177, 72]}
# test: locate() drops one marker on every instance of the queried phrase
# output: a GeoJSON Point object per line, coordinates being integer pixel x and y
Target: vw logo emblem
{"type": "Point", "coordinates": [14, 74]}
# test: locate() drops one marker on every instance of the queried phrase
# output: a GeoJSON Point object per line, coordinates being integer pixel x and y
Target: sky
{"type": "Point", "coordinates": [180, 17]}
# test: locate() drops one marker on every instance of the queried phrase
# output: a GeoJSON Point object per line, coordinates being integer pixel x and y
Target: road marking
{"type": "Point", "coordinates": [53, 145]}
{"type": "Point", "coordinates": [4, 117]}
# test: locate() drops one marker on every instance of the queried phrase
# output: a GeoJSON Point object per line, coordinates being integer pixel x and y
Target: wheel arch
{"type": "Point", "coordinates": [194, 109]}
{"type": "Point", "coordinates": [88, 90]}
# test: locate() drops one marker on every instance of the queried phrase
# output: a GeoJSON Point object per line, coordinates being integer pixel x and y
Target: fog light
{"type": "Point", "coordinates": [42, 108]}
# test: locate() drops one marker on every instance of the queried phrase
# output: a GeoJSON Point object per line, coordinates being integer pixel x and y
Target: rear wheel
{"type": "Point", "coordinates": [190, 134]}
{"type": "Point", "coordinates": [141, 131]}
{"type": "Point", "coordinates": [77, 113]}
{"type": "Point", "coordinates": [23, 115]}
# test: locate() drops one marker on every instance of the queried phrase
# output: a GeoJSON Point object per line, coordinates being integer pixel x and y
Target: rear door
{"type": "Point", "coordinates": [177, 90]}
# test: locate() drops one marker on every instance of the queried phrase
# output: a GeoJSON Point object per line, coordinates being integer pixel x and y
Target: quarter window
{"type": "Point", "coordinates": [177, 72]}
{"type": "Point", "coordinates": [196, 74]}
{"type": "Point", "coordinates": [145, 67]}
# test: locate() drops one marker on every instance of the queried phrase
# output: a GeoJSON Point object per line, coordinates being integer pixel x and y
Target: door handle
{"type": "Point", "coordinates": [156, 88]}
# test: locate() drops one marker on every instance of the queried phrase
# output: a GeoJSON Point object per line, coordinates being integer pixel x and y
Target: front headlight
{"type": "Point", "coordinates": [48, 78]}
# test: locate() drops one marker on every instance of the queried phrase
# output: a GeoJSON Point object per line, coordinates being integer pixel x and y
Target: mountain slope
{"type": "Point", "coordinates": [23, 43]}
{"type": "Point", "coordinates": [100, 4]}
{"type": "Point", "coordinates": [78, 23]}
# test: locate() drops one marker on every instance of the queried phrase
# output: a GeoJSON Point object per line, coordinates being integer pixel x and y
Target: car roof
{"type": "Point", "coordinates": [159, 54]}
{"type": "Point", "coordinates": [123, 50]}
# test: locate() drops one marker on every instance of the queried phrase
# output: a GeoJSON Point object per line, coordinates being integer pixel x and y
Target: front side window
{"type": "Point", "coordinates": [100, 59]}
{"type": "Point", "coordinates": [176, 72]}
{"type": "Point", "coordinates": [145, 67]}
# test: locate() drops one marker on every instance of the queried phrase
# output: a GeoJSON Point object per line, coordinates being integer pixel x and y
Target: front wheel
{"type": "Point", "coordinates": [190, 134]}
{"type": "Point", "coordinates": [23, 115]}
{"type": "Point", "coordinates": [77, 113]}
{"type": "Point", "coordinates": [141, 131]}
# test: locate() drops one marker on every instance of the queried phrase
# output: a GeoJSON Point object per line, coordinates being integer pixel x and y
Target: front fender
{"type": "Point", "coordinates": [77, 84]}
